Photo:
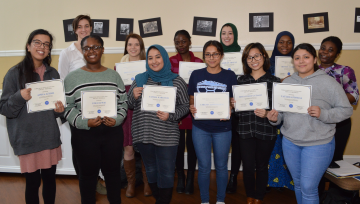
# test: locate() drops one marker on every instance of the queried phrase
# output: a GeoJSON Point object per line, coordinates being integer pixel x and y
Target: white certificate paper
{"type": "Point", "coordinates": [45, 94]}
{"type": "Point", "coordinates": [128, 70]}
{"type": "Point", "coordinates": [232, 61]}
{"type": "Point", "coordinates": [251, 96]}
{"type": "Point", "coordinates": [283, 66]}
{"type": "Point", "coordinates": [158, 98]}
{"type": "Point", "coordinates": [211, 106]}
{"type": "Point", "coordinates": [98, 103]}
{"type": "Point", "coordinates": [186, 68]}
{"type": "Point", "coordinates": [293, 98]}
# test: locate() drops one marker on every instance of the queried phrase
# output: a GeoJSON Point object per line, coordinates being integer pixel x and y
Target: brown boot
{"type": "Point", "coordinates": [130, 171]}
{"type": "Point", "coordinates": [256, 201]}
{"type": "Point", "coordinates": [147, 190]}
{"type": "Point", "coordinates": [249, 200]}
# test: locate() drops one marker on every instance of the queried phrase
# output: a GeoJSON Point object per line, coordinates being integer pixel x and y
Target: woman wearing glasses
{"type": "Point", "coordinates": [97, 143]}
{"type": "Point", "coordinates": [257, 135]}
{"type": "Point", "coordinates": [207, 133]}
{"type": "Point", "coordinates": [35, 137]}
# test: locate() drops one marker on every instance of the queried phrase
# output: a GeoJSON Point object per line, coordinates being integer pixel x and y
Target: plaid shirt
{"type": "Point", "coordinates": [250, 125]}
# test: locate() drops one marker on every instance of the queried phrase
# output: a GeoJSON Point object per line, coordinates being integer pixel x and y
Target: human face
{"type": "Point", "coordinates": [304, 62]}
{"type": "Point", "coordinates": [328, 53]}
{"type": "Point", "coordinates": [92, 56]}
{"type": "Point", "coordinates": [285, 45]}
{"type": "Point", "coordinates": [182, 44]}
{"type": "Point", "coordinates": [212, 61]}
{"type": "Point", "coordinates": [84, 29]}
{"type": "Point", "coordinates": [39, 53]}
{"type": "Point", "coordinates": [254, 64]}
{"type": "Point", "coordinates": [155, 60]}
{"type": "Point", "coordinates": [227, 35]}
{"type": "Point", "coordinates": [133, 47]}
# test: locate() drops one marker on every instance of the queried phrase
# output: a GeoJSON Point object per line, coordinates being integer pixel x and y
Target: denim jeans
{"type": "Point", "coordinates": [221, 145]}
{"type": "Point", "coordinates": [307, 165]}
{"type": "Point", "coordinates": [159, 163]}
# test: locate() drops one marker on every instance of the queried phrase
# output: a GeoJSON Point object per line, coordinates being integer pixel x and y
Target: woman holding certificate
{"type": "Point", "coordinates": [308, 148]}
{"type": "Point", "coordinates": [97, 142]}
{"type": "Point", "coordinates": [217, 82]}
{"type": "Point", "coordinates": [35, 137]}
{"type": "Point", "coordinates": [182, 41]}
{"type": "Point", "coordinates": [156, 133]}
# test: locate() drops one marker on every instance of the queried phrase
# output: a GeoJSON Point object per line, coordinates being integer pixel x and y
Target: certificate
{"type": "Point", "coordinates": [158, 98]}
{"type": "Point", "coordinates": [251, 96]}
{"type": "Point", "coordinates": [98, 103]}
{"type": "Point", "coordinates": [232, 61]}
{"type": "Point", "coordinates": [294, 98]}
{"type": "Point", "coordinates": [186, 68]}
{"type": "Point", "coordinates": [45, 94]}
{"type": "Point", "coordinates": [211, 106]}
{"type": "Point", "coordinates": [128, 70]}
{"type": "Point", "coordinates": [283, 66]}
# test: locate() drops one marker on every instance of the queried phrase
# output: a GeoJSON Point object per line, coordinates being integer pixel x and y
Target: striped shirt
{"type": "Point", "coordinates": [148, 128]}
{"type": "Point", "coordinates": [81, 80]}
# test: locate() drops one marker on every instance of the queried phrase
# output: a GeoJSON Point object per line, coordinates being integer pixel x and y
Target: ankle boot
{"type": "Point", "coordinates": [189, 188]}
{"type": "Point", "coordinates": [181, 181]}
{"type": "Point", "coordinates": [155, 190]}
{"type": "Point", "coordinates": [257, 201]}
{"type": "Point", "coordinates": [130, 170]}
{"type": "Point", "coordinates": [250, 200]}
{"type": "Point", "coordinates": [147, 190]}
{"type": "Point", "coordinates": [232, 185]}
{"type": "Point", "coordinates": [165, 195]}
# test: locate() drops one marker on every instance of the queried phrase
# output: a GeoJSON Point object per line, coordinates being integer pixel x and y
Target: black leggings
{"type": "Point", "coordinates": [33, 181]}
{"type": "Point", "coordinates": [341, 137]}
{"type": "Point", "coordinates": [235, 146]}
{"type": "Point", "coordinates": [191, 155]}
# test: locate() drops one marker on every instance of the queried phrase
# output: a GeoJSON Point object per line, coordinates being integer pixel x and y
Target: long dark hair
{"type": "Point", "coordinates": [26, 66]}
{"type": "Point", "coordinates": [260, 47]}
{"type": "Point", "coordinates": [309, 48]}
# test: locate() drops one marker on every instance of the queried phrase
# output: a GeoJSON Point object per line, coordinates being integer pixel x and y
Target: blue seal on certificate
{"type": "Point", "coordinates": [251, 104]}
{"type": "Point", "coordinates": [291, 105]}
{"type": "Point", "coordinates": [132, 78]}
{"type": "Point", "coordinates": [46, 102]}
{"type": "Point", "coordinates": [212, 112]}
{"type": "Point", "coordinates": [229, 69]}
{"type": "Point", "coordinates": [288, 73]}
{"type": "Point", "coordinates": [99, 111]}
{"type": "Point", "coordinates": [157, 105]}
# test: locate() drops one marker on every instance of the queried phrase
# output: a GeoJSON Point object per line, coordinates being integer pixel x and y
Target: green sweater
{"type": "Point", "coordinates": [81, 80]}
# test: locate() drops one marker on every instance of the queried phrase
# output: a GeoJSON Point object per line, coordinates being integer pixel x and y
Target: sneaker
{"type": "Point", "coordinates": [220, 203]}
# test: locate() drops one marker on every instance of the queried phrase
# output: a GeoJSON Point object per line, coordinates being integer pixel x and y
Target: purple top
{"type": "Point", "coordinates": [346, 77]}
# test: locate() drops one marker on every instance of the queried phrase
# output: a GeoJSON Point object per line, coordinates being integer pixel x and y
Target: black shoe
{"type": "Point", "coordinates": [189, 189]}
{"type": "Point", "coordinates": [334, 165]}
{"type": "Point", "coordinates": [232, 185]}
{"type": "Point", "coordinates": [181, 182]}
{"type": "Point", "coordinates": [165, 196]}
{"type": "Point", "coordinates": [155, 190]}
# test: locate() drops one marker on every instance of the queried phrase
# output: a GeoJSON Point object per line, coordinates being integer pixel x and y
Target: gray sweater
{"type": "Point", "coordinates": [28, 132]}
{"type": "Point", "coordinates": [305, 130]}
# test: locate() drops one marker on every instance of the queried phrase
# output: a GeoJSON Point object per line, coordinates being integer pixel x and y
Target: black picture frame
{"type": "Point", "coordinates": [150, 27]}
{"type": "Point", "coordinates": [204, 26]}
{"type": "Point", "coordinates": [316, 22]}
{"type": "Point", "coordinates": [100, 27]}
{"type": "Point", "coordinates": [261, 22]}
{"type": "Point", "coordinates": [124, 26]}
{"type": "Point", "coordinates": [357, 21]}
{"type": "Point", "coordinates": [69, 32]}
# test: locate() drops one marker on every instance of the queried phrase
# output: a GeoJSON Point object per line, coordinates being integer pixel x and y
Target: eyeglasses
{"type": "Point", "coordinates": [94, 48]}
{"type": "Point", "coordinates": [38, 43]}
{"type": "Point", "coordinates": [214, 55]}
{"type": "Point", "coordinates": [257, 57]}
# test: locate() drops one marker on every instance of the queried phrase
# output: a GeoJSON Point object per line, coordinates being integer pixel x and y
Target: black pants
{"type": "Point", "coordinates": [235, 146]}
{"type": "Point", "coordinates": [255, 155]}
{"type": "Point", "coordinates": [341, 137]}
{"type": "Point", "coordinates": [33, 181]}
{"type": "Point", "coordinates": [191, 155]}
{"type": "Point", "coordinates": [95, 149]}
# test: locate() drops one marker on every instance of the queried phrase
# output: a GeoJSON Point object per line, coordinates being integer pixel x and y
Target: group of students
{"type": "Point", "coordinates": [255, 137]}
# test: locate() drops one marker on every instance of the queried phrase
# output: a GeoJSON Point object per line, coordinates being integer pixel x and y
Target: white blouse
{"type": "Point", "coordinates": [70, 59]}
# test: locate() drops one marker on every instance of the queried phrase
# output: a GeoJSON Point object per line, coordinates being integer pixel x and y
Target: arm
{"type": "Point", "coordinates": [122, 105]}
{"type": "Point", "coordinates": [130, 95]}
{"type": "Point", "coordinates": [349, 85]}
{"type": "Point", "coordinates": [274, 117]}
{"type": "Point", "coordinates": [182, 102]}
{"type": "Point", "coordinates": [63, 67]}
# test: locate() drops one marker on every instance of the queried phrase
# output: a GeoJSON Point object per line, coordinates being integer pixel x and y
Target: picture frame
{"type": "Point", "coordinates": [357, 21]}
{"type": "Point", "coordinates": [150, 27]}
{"type": "Point", "coordinates": [124, 26]}
{"type": "Point", "coordinates": [261, 22]}
{"type": "Point", "coordinates": [204, 26]}
{"type": "Point", "coordinates": [69, 33]}
{"type": "Point", "coordinates": [100, 27]}
{"type": "Point", "coordinates": [316, 22]}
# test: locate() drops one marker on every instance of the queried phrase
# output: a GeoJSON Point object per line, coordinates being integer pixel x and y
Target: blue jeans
{"type": "Point", "coordinates": [307, 165]}
{"type": "Point", "coordinates": [221, 145]}
{"type": "Point", "coordinates": [159, 163]}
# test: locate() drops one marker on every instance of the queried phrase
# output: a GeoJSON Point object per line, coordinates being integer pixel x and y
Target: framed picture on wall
{"type": "Point", "coordinates": [204, 26]}
{"type": "Point", "coordinates": [316, 22]}
{"type": "Point", "coordinates": [261, 22]}
{"type": "Point", "coordinates": [69, 32]}
{"type": "Point", "coordinates": [150, 27]}
{"type": "Point", "coordinates": [124, 26]}
{"type": "Point", "coordinates": [100, 27]}
{"type": "Point", "coordinates": [357, 20]}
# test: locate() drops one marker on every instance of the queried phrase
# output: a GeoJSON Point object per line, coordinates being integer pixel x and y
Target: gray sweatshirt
{"type": "Point", "coordinates": [305, 130]}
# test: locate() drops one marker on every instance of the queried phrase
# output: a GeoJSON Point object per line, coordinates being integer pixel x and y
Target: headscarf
{"type": "Point", "coordinates": [276, 52]}
{"type": "Point", "coordinates": [235, 47]}
{"type": "Point", "coordinates": [165, 76]}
